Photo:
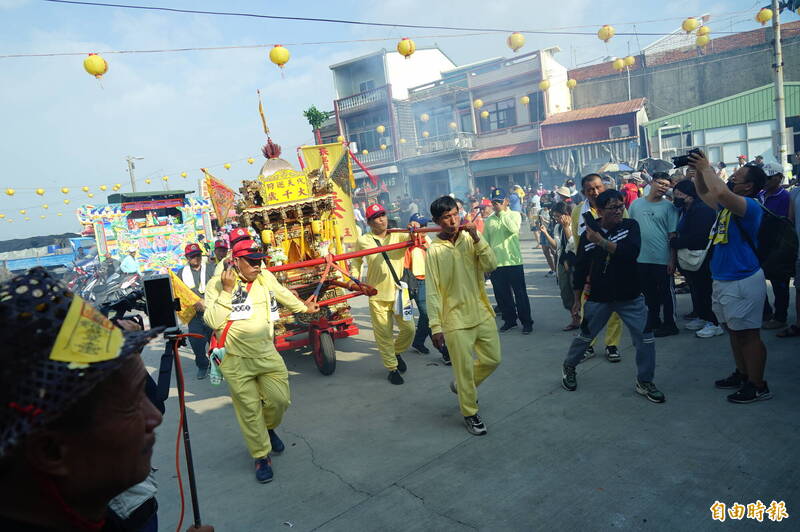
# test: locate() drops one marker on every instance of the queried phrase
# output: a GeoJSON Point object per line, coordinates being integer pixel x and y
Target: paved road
{"type": "Point", "coordinates": [365, 455]}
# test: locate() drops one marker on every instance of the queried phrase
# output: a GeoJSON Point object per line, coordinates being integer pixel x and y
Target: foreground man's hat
{"type": "Point", "coordinates": [57, 348]}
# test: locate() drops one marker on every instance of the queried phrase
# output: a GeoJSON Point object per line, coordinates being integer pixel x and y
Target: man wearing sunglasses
{"type": "Point", "coordinates": [239, 308]}
{"type": "Point", "coordinates": [606, 262]}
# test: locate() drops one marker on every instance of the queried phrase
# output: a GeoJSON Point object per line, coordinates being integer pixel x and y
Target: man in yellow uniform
{"type": "Point", "coordinates": [592, 186]}
{"type": "Point", "coordinates": [383, 273]}
{"type": "Point", "coordinates": [238, 308]}
{"type": "Point", "coordinates": [458, 308]}
{"type": "Point", "coordinates": [236, 235]}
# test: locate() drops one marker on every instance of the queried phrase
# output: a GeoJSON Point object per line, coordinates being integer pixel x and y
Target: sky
{"type": "Point", "coordinates": [183, 111]}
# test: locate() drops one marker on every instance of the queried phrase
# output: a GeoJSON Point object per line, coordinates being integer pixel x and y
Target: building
{"type": "Point", "coordinates": [368, 90]}
{"type": "Point", "coordinates": [742, 124]}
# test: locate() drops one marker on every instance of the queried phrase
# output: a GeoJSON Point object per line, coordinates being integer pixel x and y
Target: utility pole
{"type": "Point", "coordinates": [780, 109]}
{"type": "Point", "coordinates": [131, 168]}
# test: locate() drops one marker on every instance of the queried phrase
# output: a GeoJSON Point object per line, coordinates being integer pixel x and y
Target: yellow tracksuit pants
{"type": "Point", "coordinates": [470, 373]}
{"type": "Point", "coordinates": [260, 392]}
{"type": "Point", "coordinates": [613, 328]}
{"type": "Point", "coordinates": [383, 319]}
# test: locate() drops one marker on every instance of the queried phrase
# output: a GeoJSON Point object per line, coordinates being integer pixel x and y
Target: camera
{"type": "Point", "coordinates": [683, 160]}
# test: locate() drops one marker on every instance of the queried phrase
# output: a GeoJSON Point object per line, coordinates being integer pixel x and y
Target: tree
{"type": "Point", "coordinates": [316, 118]}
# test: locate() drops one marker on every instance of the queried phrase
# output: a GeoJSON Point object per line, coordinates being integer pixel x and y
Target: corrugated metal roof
{"type": "Point", "coordinates": [506, 151]}
{"type": "Point", "coordinates": [755, 105]}
{"type": "Point", "coordinates": [598, 111]}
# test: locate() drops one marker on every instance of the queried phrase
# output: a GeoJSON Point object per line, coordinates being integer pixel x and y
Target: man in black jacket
{"type": "Point", "coordinates": [606, 262]}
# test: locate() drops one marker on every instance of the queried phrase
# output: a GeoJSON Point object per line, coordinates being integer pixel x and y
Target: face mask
{"type": "Point", "coordinates": [680, 203]}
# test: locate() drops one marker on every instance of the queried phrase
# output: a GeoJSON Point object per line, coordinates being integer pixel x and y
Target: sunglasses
{"type": "Point", "coordinates": [252, 262]}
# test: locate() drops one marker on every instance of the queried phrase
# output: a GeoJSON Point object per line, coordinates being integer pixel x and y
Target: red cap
{"type": "Point", "coordinates": [247, 248]}
{"type": "Point", "coordinates": [221, 244]}
{"type": "Point", "coordinates": [486, 202]}
{"type": "Point", "coordinates": [192, 250]}
{"type": "Point", "coordinates": [238, 234]}
{"type": "Point", "coordinates": [375, 210]}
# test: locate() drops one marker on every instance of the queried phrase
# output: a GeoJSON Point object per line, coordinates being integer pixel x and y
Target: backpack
{"type": "Point", "coordinates": [777, 245]}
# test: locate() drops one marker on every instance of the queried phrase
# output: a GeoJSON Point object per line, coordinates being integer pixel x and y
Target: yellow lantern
{"type": "Point", "coordinates": [183, 175]}
{"type": "Point", "coordinates": [2, 216]}
{"type": "Point", "coordinates": [380, 129]}
{"type": "Point", "coordinates": [544, 84]}
{"type": "Point", "coordinates": [148, 181]}
{"type": "Point", "coordinates": [10, 192]}
{"type": "Point", "coordinates": [477, 104]}
{"type": "Point", "coordinates": [250, 160]}
{"type": "Point", "coordinates": [406, 47]}
{"type": "Point", "coordinates": [85, 189]}
{"type": "Point", "coordinates": [45, 206]}
{"type": "Point", "coordinates": [59, 214]}
{"type": "Point", "coordinates": [23, 211]}
{"type": "Point", "coordinates": [90, 194]}
{"type": "Point", "coordinates": [572, 83]}
{"type": "Point", "coordinates": [690, 24]}
{"type": "Point", "coordinates": [364, 152]}
{"type": "Point", "coordinates": [424, 117]}
{"type": "Point", "coordinates": [484, 114]}
{"type": "Point", "coordinates": [516, 41]}
{"type": "Point", "coordinates": [383, 147]}
{"type": "Point", "coordinates": [402, 141]}
{"type": "Point", "coordinates": [40, 191]}
{"type": "Point", "coordinates": [453, 126]}
{"type": "Point", "coordinates": [606, 32]}
{"type": "Point", "coordinates": [103, 187]}
{"type": "Point", "coordinates": [316, 227]}
{"type": "Point", "coordinates": [279, 55]}
{"type": "Point", "coordinates": [618, 64]}
{"type": "Point", "coordinates": [764, 15]}
{"type": "Point", "coordinates": [629, 61]}
{"type": "Point", "coordinates": [525, 100]}
{"type": "Point", "coordinates": [165, 178]}
{"type": "Point", "coordinates": [95, 65]}
{"type": "Point", "coordinates": [267, 236]}
{"type": "Point", "coordinates": [42, 216]}
{"type": "Point", "coordinates": [66, 202]}
{"type": "Point", "coordinates": [340, 139]}
{"type": "Point", "coordinates": [227, 166]}
{"type": "Point", "coordinates": [702, 41]}
{"type": "Point", "coordinates": [65, 190]}
{"type": "Point", "coordinates": [703, 30]}
{"type": "Point", "coordinates": [116, 187]}
{"type": "Point", "coordinates": [27, 219]}
{"type": "Point", "coordinates": [425, 134]}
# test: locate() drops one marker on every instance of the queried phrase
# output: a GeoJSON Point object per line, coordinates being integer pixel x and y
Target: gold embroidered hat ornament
{"type": "Point", "coordinates": [57, 348]}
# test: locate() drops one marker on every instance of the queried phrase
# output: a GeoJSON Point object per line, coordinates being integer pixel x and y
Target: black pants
{"type": "Point", "coordinates": [780, 287]}
{"type": "Point", "coordinates": [658, 291]}
{"type": "Point", "coordinates": [508, 283]}
{"type": "Point", "coordinates": [700, 287]}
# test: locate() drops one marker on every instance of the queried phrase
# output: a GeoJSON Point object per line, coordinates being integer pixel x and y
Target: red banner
{"type": "Point", "coordinates": [152, 205]}
{"type": "Point", "coordinates": [221, 197]}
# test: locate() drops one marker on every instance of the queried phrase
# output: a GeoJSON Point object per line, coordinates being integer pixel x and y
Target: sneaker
{"type": "Point", "coordinates": [475, 425]}
{"type": "Point", "coordinates": [277, 444]}
{"type": "Point", "coordinates": [748, 393]}
{"type": "Point", "coordinates": [589, 353]}
{"type": "Point", "coordinates": [401, 364]}
{"type": "Point", "coordinates": [420, 348]}
{"type": "Point", "coordinates": [612, 353]}
{"type": "Point", "coordinates": [527, 329]}
{"type": "Point", "coordinates": [773, 324]}
{"type": "Point", "coordinates": [264, 470]}
{"type": "Point", "coordinates": [446, 359]}
{"type": "Point", "coordinates": [666, 330]}
{"type": "Point", "coordinates": [733, 381]}
{"type": "Point", "coordinates": [395, 377]}
{"type": "Point", "coordinates": [202, 373]}
{"type": "Point", "coordinates": [550, 273]}
{"type": "Point", "coordinates": [649, 390]}
{"type": "Point", "coordinates": [507, 327]}
{"type": "Point", "coordinates": [696, 324]}
{"type": "Point", "coordinates": [568, 381]}
{"type": "Point", "coordinates": [709, 331]}
{"type": "Point", "coordinates": [453, 387]}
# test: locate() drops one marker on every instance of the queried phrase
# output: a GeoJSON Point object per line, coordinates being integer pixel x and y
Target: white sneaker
{"type": "Point", "coordinates": [696, 324]}
{"type": "Point", "coordinates": [709, 331]}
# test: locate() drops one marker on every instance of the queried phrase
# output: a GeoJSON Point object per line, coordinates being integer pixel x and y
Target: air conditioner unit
{"type": "Point", "coordinates": [618, 132]}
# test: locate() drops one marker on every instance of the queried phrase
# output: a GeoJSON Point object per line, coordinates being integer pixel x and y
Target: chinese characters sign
{"type": "Point", "coordinates": [776, 511]}
{"type": "Point", "coordinates": [285, 185]}
{"type": "Point", "coordinates": [86, 336]}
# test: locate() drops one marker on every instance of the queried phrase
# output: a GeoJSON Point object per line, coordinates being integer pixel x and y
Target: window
{"type": "Point", "coordinates": [365, 86]}
{"type": "Point", "coordinates": [365, 140]}
{"type": "Point", "coordinates": [465, 119]}
{"type": "Point", "coordinates": [536, 107]}
{"type": "Point", "coordinates": [502, 114]}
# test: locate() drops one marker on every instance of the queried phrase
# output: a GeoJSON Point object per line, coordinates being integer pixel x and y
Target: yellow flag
{"type": "Point", "coordinates": [323, 157]}
{"type": "Point", "coordinates": [186, 297]}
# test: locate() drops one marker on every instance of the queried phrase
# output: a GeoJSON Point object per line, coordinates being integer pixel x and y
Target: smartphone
{"type": "Point", "coordinates": [590, 221]}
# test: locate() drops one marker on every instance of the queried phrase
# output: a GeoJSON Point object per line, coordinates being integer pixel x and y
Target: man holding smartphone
{"type": "Point", "coordinates": [239, 309]}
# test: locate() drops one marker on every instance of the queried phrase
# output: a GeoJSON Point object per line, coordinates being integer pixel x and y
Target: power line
{"type": "Point", "coordinates": [331, 20]}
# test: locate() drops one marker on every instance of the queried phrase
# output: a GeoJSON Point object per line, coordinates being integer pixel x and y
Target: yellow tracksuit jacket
{"type": "Point", "coordinates": [459, 308]}
{"type": "Point", "coordinates": [381, 305]}
{"type": "Point", "coordinates": [255, 372]}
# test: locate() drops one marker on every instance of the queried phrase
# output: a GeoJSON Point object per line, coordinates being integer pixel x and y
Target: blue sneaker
{"type": "Point", "coordinates": [264, 470]}
{"type": "Point", "coordinates": [277, 444]}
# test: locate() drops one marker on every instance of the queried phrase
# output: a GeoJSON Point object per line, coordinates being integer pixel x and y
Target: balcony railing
{"type": "Point", "coordinates": [440, 144]}
{"type": "Point", "coordinates": [362, 100]}
{"type": "Point", "coordinates": [377, 156]}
